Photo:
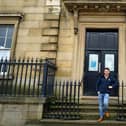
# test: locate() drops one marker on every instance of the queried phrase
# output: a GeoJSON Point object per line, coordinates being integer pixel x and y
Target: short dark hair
{"type": "Point", "coordinates": [107, 69]}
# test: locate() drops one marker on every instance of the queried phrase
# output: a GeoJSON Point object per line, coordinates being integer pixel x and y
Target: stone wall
{"type": "Point", "coordinates": [65, 52]}
{"type": "Point", "coordinates": [31, 29]}
{"type": "Point", "coordinates": [38, 34]}
{"type": "Point", "coordinates": [29, 36]}
{"type": "Point", "coordinates": [19, 111]}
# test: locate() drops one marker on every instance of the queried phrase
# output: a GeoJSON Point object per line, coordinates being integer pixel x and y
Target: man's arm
{"type": "Point", "coordinates": [97, 84]}
{"type": "Point", "coordinates": [114, 83]}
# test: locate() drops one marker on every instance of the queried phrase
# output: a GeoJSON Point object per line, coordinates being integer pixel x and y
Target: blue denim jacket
{"type": "Point", "coordinates": [103, 84]}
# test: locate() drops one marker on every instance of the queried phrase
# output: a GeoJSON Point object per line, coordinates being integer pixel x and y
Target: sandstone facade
{"type": "Point", "coordinates": [55, 29]}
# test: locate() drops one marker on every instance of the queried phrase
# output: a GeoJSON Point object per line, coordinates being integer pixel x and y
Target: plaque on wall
{"type": "Point", "coordinates": [109, 61]}
{"type": "Point", "coordinates": [93, 62]}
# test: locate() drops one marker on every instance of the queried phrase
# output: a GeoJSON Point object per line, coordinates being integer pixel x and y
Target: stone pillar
{"type": "Point", "coordinates": [75, 54]}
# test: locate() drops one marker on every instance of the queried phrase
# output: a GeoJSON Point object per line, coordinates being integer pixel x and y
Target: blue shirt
{"type": "Point", "coordinates": [103, 84]}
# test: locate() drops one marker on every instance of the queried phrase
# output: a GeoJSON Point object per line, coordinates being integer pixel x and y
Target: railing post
{"type": "Point", "coordinates": [120, 113]}
{"type": "Point", "coordinates": [45, 77]}
{"type": "Point", "coordinates": [122, 101]}
{"type": "Point", "coordinates": [78, 101]}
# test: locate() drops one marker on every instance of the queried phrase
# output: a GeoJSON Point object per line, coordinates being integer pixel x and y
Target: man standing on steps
{"type": "Point", "coordinates": [105, 84]}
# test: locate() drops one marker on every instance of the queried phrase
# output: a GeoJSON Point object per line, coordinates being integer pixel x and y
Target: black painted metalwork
{"type": "Point", "coordinates": [121, 113]}
{"type": "Point", "coordinates": [65, 101]}
{"type": "Point", "coordinates": [26, 77]}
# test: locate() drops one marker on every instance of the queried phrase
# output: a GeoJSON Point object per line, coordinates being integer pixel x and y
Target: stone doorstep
{"type": "Point", "coordinates": [94, 100]}
{"type": "Point", "coordinates": [84, 122]}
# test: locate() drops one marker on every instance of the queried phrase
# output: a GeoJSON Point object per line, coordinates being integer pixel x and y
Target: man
{"type": "Point", "coordinates": [105, 84]}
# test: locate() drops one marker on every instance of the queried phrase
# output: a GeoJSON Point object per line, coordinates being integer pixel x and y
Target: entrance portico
{"type": "Point", "coordinates": [97, 15]}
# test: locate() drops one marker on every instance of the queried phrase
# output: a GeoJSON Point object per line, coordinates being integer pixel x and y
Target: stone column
{"type": "Point", "coordinates": [75, 51]}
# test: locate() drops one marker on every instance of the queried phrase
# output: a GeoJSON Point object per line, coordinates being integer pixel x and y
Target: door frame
{"type": "Point", "coordinates": [81, 47]}
{"type": "Point", "coordinates": [101, 59]}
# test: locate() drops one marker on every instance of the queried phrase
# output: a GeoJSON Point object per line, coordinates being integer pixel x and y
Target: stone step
{"type": "Point", "coordinates": [95, 116]}
{"type": "Point", "coordinates": [50, 122]}
{"type": "Point", "coordinates": [94, 100]}
{"type": "Point", "coordinates": [83, 108]}
{"type": "Point", "coordinates": [88, 109]}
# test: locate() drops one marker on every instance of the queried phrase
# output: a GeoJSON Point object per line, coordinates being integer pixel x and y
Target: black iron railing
{"type": "Point", "coordinates": [65, 101]}
{"type": "Point", "coordinates": [121, 113]}
{"type": "Point", "coordinates": [26, 77]}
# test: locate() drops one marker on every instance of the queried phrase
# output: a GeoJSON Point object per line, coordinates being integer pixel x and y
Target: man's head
{"type": "Point", "coordinates": [106, 71]}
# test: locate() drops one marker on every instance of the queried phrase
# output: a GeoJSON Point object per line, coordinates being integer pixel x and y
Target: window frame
{"type": "Point", "coordinates": [11, 19]}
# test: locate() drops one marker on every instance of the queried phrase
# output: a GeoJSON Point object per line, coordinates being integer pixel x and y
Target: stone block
{"type": "Point", "coordinates": [30, 24]}
{"type": "Point", "coordinates": [64, 73]}
{"type": "Point", "coordinates": [34, 17]}
{"type": "Point", "coordinates": [48, 47]}
{"type": "Point", "coordinates": [65, 56]}
{"type": "Point", "coordinates": [34, 112]}
{"type": "Point", "coordinates": [52, 9]}
{"type": "Point", "coordinates": [12, 115]}
{"type": "Point", "coordinates": [33, 10]}
{"type": "Point", "coordinates": [11, 3]}
{"type": "Point", "coordinates": [23, 32]}
{"type": "Point", "coordinates": [41, 54]}
{"type": "Point", "coordinates": [10, 9]}
{"type": "Point", "coordinates": [65, 48]}
{"type": "Point", "coordinates": [50, 32]}
{"type": "Point", "coordinates": [64, 64]}
{"type": "Point", "coordinates": [32, 39]}
{"type": "Point", "coordinates": [66, 40]}
{"type": "Point", "coordinates": [52, 2]}
{"type": "Point", "coordinates": [66, 33]}
{"type": "Point", "coordinates": [35, 54]}
{"type": "Point", "coordinates": [30, 2]}
{"type": "Point", "coordinates": [50, 24]}
{"type": "Point", "coordinates": [35, 32]}
{"type": "Point", "coordinates": [51, 16]}
{"type": "Point", "coordinates": [49, 39]}
{"type": "Point", "coordinates": [27, 47]}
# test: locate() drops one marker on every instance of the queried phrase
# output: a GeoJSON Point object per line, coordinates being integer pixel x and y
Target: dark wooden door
{"type": "Point", "coordinates": [97, 57]}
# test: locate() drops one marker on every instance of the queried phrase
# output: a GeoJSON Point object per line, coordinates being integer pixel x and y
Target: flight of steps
{"type": "Point", "coordinates": [89, 109]}
{"type": "Point", "coordinates": [88, 115]}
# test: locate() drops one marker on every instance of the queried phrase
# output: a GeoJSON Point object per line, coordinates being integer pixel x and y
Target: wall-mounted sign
{"type": "Point", "coordinates": [109, 61]}
{"type": "Point", "coordinates": [93, 62]}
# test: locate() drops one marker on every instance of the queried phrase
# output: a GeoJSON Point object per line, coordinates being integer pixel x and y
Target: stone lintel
{"type": "Point", "coordinates": [16, 15]}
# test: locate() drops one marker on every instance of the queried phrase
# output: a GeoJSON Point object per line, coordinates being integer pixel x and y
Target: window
{"type": "Point", "coordinates": [6, 36]}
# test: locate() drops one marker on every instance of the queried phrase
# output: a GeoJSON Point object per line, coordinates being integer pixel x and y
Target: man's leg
{"type": "Point", "coordinates": [100, 101]}
{"type": "Point", "coordinates": [106, 103]}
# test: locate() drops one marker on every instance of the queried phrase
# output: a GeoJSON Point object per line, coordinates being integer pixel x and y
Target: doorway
{"type": "Point", "coordinates": [101, 51]}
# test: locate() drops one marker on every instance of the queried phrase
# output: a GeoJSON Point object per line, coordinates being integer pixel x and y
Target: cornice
{"type": "Point", "coordinates": [96, 5]}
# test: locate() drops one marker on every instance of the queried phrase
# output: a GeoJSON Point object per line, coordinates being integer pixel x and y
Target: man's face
{"type": "Point", "coordinates": [106, 72]}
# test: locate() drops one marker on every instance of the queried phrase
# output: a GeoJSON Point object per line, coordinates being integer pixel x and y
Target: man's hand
{"type": "Point", "coordinates": [110, 87]}
{"type": "Point", "coordinates": [98, 92]}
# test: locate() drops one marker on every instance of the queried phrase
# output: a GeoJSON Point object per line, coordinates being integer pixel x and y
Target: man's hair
{"type": "Point", "coordinates": [107, 69]}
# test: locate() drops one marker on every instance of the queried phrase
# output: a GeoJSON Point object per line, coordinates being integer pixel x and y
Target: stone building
{"type": "Point", "coordinates": [84, 36]}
